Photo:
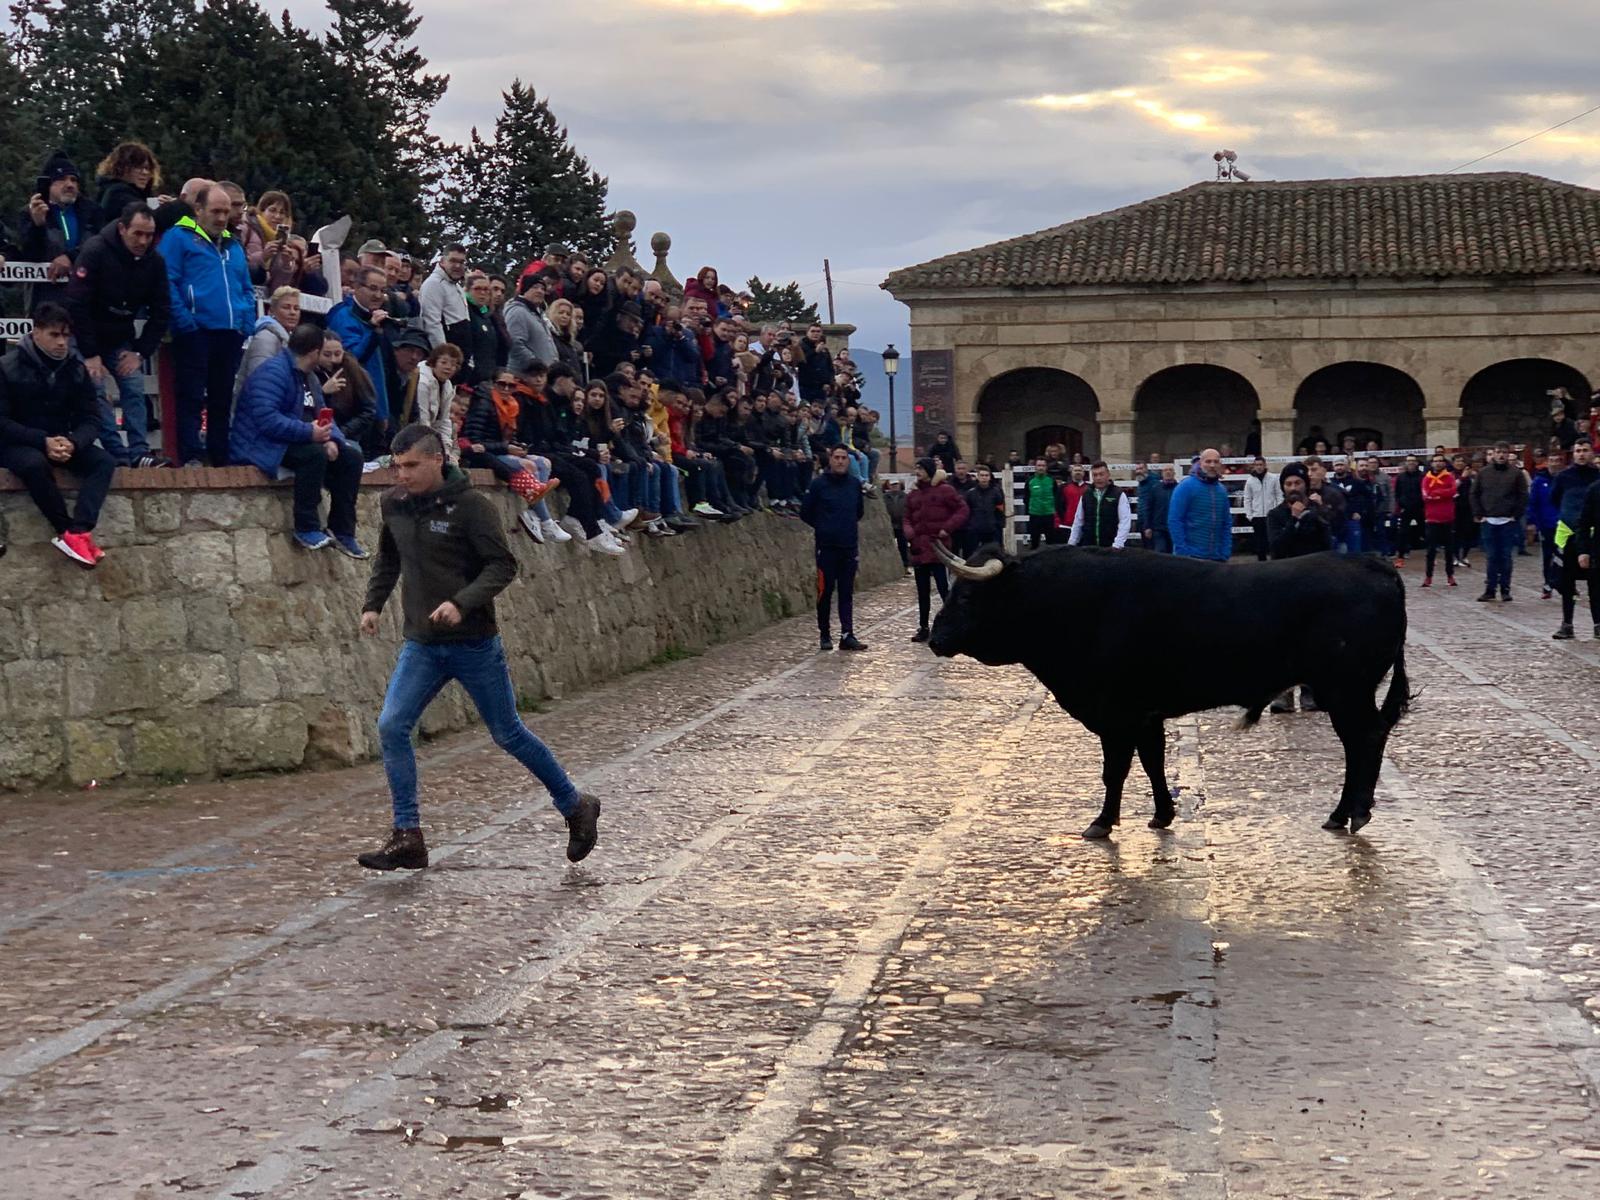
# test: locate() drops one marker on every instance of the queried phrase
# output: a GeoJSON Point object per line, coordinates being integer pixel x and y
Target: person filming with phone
{"type": "Point", "coordinates": [283, 425]}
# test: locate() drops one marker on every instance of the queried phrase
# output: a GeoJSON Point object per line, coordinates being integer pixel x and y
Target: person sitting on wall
{"type": "Point", "coordinates": [282, 425]}
{"type": "Point", "coordinates": [49, 418]}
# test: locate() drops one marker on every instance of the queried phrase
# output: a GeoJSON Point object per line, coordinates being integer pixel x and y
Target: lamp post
{"type": "Point", "coordinates": [891, 368]}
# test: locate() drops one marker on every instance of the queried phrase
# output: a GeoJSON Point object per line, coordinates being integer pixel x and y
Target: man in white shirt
{"type": "Point", "coordinates": [444, 302]}
{"type": "Point", "coordinates": [1104, 516]}
{"type": "Point", "coordinates": [1262, 494]}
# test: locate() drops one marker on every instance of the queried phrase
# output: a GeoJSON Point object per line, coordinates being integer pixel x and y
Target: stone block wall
{"type": "Point", "coordinates": [206, 643]}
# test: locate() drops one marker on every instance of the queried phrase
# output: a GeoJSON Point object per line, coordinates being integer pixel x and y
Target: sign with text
{"type": "Point", "coordinates": [14, 328]}
{"type": "Point", "coordinates": [933, 393]}
{"type": "Point", "coordinates": [25, 272]}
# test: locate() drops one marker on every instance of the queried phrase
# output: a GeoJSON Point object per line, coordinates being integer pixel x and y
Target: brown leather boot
{"type": "Point", "coordinates": [404, 850]}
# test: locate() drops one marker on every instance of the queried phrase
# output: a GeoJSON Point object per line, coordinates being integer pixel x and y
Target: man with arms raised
{"type": "Point", "coordinates": [446, 545]}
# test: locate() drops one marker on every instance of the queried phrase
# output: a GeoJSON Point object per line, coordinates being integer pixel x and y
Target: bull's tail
{"type": "Point", "coordinates": [1398, 700]}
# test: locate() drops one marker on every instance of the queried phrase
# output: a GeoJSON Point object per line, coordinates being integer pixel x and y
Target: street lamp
{"type": "Point", "coordinates": [891, 368]}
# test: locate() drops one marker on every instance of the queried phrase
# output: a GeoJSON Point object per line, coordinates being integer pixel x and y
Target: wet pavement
{"type": "Point", "coordinates": [839, 939]}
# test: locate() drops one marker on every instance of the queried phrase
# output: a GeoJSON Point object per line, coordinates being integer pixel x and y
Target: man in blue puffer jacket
{"type": "Point", "coordinates": [213, 311]}
{"type": "Point", "coordinates": [277, 430]}
{"type": "Point", "coordinates": [1200, 517]}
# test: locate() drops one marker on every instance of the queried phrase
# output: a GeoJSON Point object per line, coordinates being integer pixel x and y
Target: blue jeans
{"type": "Point", "coordinates": [610, 510]}
{"type": "Point", "coordinates": [671, 500]}
{"type": "Point", "coordinates": [1500, 547]}
{"type": "Point", "coordinates": [129, 393]}
{"type": "Point", "coordinates": [1351, 542]}
{"type": "Point", "coordinates": [420, 674]}
{"type": "Point", "coordinates": [541, 471]}
{"type": "Point", "coordinates": [858, 465]}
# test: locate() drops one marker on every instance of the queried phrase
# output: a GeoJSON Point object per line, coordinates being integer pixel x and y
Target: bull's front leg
{"type": "Point", "coordinates": [1153, 758]}
{"type": "Point", "coordinates": [1117, 756]}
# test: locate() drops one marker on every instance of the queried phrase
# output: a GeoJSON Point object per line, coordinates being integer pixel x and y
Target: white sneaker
{"type": "Point", "coordinates": [531, 525]}
{"type": "Point", "coordinates": [554, 532]}
{"type": "Point", "coordinates": [705, 510]}
{"type": "Point", "coordinates": [629, 515]}
{"type": "Point", "coordinates": [607, 543]}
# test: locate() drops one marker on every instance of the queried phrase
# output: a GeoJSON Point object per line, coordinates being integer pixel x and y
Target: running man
{"type": "Point", "coordinates": [445, 544]}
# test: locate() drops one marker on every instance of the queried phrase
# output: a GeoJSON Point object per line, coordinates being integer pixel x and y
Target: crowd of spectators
{"type": "Point", "coordinates": [650, 409]}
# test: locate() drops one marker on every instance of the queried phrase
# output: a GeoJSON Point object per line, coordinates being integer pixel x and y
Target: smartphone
{"type": "Point", "coordinates": [325, 416]}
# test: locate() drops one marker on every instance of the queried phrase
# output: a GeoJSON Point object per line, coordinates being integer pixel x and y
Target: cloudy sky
{"type": "Point", "coordinates": [765, 135]}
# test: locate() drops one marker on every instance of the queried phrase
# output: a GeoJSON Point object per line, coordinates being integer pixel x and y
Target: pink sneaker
{"type": "Point", "coordinates": [76, 547]}
{"type": "Point", "coordinates": [94, 547]}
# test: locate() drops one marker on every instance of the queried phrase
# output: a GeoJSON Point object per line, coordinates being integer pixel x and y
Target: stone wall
{"type": "Point", "coordinates": [206, 643]}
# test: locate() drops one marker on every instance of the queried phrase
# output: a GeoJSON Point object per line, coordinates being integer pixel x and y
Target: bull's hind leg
{"type": "Point", "coordinates": [1153, 758]}
{"type": "Point", "coordinates": [1117, 754]}
{"type": "Point", "coordinates": [1362, 733]}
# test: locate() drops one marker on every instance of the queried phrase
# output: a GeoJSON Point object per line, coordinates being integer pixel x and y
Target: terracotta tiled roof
{"type": "Point", "coordinates": [1427, 226]}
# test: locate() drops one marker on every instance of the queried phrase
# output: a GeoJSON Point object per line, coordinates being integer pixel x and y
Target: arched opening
{"type": "Point", "coordinates": [1511, 401]}
{"type": "Point", "coordinates": [1366, 401]}
{"type": "Point", "coordinates": [1028, 409]}
{"type": "Point", "coordinates": [1181, 411]}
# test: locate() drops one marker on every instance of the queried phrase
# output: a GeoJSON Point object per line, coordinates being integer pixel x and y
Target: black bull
{"type": "Point", "coordinates": [1127, 639]}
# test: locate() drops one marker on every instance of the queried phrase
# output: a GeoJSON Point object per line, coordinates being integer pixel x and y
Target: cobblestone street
{"type": "Point", "coordinates": [839, 939]}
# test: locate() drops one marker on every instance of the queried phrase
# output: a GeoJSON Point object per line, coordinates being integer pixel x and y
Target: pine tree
{"type": "Point", "coordinates": [525, 189]}
{"type": "Point", "coordinates": [772, 303]}
{"type": "Point", "coordinates": [267, 127]}
{"type": "Point", "coordinates": [88, 66]}
{"type": "Point", "coordinates": [371, 42]}
{"type": "Point", "coordinates": [18, 141]}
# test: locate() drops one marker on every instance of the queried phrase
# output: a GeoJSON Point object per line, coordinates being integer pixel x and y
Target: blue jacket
{"type": "Point", "coordinates": [271, 414]}
{"type": "Point", "coordinates": [1200, 519]}
{"type": "Point", "coordinates": [364, 344]}
{"type": "Point", "coordinates": [833, 506]}
{"type": "Point", "coordinates": [209, 285]}
{"type": "Point", "coordinates": [1542, 513]}
{"type": "Point", "coordinates": [675, 358]}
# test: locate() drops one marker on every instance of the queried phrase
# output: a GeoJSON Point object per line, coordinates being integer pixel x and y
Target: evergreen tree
{"type": "Point", "coordinates": [371, 42]}
{"type": "Point", "coordinates": [772, 303]}
{"type": "Point", "coordinates": [17, 139]}
{"type": "Point", "coordinates": [525, 189]}
{"type": "Point", "coordinates": [88, 65]}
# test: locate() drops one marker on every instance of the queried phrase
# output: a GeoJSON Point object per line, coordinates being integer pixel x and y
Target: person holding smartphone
{"type": "Point", "coordinates": [283, 423]}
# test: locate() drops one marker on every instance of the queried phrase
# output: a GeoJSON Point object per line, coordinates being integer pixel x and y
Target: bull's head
{"type": "Point", "coordinates": [974, 620]}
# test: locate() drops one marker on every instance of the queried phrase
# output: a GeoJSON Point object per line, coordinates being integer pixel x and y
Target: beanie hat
{"type": "Point", "coordinates": [59, 166]}
{"type": "Point", "coordinates": [1296, 470]}
{"type": "Point", "coordinates": [928, 465]}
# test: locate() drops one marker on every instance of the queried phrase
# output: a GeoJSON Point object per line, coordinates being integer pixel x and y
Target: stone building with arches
{"type": "Point", "coordinates": [1420, 310]}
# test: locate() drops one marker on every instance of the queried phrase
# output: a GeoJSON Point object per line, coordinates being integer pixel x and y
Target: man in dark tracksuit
{"type": "Point", "coordinates": [1296, 528]}
{"type": "Point", "coordinates": [447, 545]}
{"type": "Point", "coordinates": [833, 507]}
{"type": "Point", "coordinates": [1571, 493]}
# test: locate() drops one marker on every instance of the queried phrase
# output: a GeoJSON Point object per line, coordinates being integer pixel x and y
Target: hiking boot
{"type": "Point", "coordinates": [405, 850]}
{"type": "Point", "coordinates": [1505, 597]}
{"type": "Point", "coordinates": [824, 644]}
{"type": "Point", "coordinates": [850, 642]}
{"type": "Point", "coordinates": [581, 827]}
{"type": "Point", "coordinates": [1565, 634]}
{"type": "Point", "coordinates": [1485, 598]}
{"type": "Point", "coordinates": [921, 635]}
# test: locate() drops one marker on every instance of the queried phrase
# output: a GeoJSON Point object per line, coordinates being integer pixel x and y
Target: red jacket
{"type": "Point", "coordinates": [1071, 493]}
{"type": "Point", "coordinates": [933, 512]}
{"type": "Point", "coordinates": [1439, 498]}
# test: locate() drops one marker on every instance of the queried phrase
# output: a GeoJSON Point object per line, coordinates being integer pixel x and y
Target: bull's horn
{"type": "Point", "coordinates": [959, 565]}
{"type": "Point", "coordinates": [949, 557]}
